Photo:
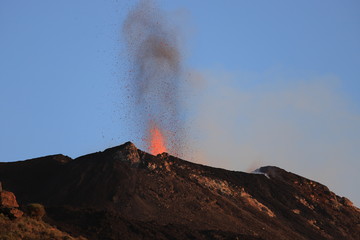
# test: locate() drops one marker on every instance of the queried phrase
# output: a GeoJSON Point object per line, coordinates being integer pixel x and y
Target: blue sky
{"type": "Point", "coordinates": [285, 70]}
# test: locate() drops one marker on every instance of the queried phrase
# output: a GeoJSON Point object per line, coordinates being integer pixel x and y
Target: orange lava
{"type": "Point", "coordinates": [157, 140]}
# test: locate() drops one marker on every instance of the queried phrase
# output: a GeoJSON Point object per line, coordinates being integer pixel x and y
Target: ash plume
{"type": "Point", "coordinates": [155, 70]}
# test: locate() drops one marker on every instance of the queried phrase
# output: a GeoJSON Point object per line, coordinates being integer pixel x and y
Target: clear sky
{"type": "Point", "coordinates": [273, 82]}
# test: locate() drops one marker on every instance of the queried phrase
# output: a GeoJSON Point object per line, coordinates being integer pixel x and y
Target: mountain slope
{"type": "Point", "coordinates": [124, 192]}
{"type": "Point", "coordinates": [30, 229]}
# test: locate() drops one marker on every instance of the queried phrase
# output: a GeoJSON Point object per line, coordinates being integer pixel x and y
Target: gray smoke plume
{"type": "Point", "coordinates": [156, 69]}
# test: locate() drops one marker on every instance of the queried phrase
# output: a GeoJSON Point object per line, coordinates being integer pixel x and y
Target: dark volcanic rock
{"type": "Point", "coordinates": [125, 193]}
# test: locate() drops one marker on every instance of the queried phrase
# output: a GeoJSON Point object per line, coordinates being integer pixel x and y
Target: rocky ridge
{"type": "Point", "coordinates": [124, 192]}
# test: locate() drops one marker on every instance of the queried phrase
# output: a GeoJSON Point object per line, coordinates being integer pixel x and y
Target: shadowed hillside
{"type": "Point", "coordinates": [125, 193]}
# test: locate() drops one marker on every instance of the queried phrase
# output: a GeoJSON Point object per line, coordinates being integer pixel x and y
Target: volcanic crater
{"type": "Point", "coordinates": [126, 193]}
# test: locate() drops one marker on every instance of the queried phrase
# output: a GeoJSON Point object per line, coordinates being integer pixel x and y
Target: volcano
{"type": "Point", "coordinates": [126, 193]}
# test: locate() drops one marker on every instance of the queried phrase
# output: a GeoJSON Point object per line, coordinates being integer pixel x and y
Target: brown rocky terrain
{"type": "Point", "coordinates": [15, 225]}
{"type": "Point", "coordinates": [125, 193]}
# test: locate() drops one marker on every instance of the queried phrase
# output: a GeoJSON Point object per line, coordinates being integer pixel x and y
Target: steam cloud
{"type": "Point", "coordinates": [156, 69]}
{"type": "Point", "coordinates": [305, 126]}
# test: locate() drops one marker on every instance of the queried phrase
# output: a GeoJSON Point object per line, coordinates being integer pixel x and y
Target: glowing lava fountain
{"type": "Point", "coordinates": [157, 140]}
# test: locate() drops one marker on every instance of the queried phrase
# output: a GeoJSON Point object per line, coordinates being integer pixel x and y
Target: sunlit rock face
{"type": "Point", "coordinates": [8, 199]}
{"type": "Point", "coordinates": [8, 205]}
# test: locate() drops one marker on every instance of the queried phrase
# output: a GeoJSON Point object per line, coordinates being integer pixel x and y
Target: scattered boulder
{"type": "Point", "coordinates": [9, 205]}
{"type": "Point", "coordinates": [15, 213]}
{"type": "Point", "coordinates": [8, 200]}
